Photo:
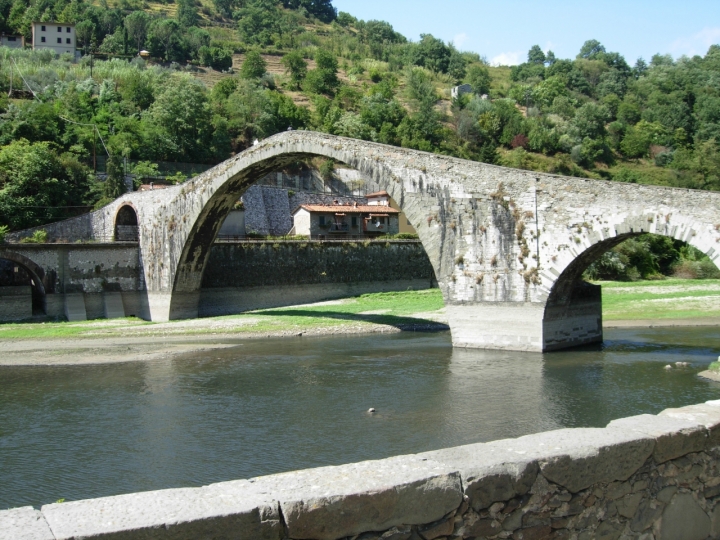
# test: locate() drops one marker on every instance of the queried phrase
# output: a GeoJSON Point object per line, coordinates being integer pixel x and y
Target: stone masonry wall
{"type": "Point", "coordinates": [647, 477]}
{"type": "Point", "coordinates": [300, 263]}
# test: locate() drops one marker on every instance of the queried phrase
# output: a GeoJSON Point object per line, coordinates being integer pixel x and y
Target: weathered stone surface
{"type": "Point", "coordinates": [24, 523]}
{"type": "Point", "coordinates": [175, 514]}
{"type": "Point", "coordinates": [579, 458]}
{"type": "Point", "coordinates": [489, 474]}
{"type": "Point", "coordinates": [674, 437]}
{"type": "Point", "coordinates": [332, 502]}
{"type": "Point", "coordinates": [648, 512]}
{"type": "Point", "coordinates": [706, 414]}
{"type": "Point", "coordinates": [683, 519]}
{"type": "Point", "coordinates": [628, 505]}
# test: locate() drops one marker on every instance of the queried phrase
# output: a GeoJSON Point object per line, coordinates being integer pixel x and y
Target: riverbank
{"type": "Point", "coordinates": [647, 304]}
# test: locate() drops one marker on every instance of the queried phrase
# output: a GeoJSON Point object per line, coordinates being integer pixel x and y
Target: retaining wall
{"type": "Point", "coordinates": [648, 477]}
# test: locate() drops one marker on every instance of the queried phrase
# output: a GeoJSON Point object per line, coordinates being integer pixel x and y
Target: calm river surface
{"type": "Point", "coordinates": [275, 405]}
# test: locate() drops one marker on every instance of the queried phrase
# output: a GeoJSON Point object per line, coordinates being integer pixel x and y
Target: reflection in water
{"type": "Point", "coordinates": [273, 405]}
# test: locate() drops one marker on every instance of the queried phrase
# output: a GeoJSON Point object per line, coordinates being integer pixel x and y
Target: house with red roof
{"type": "Point", "coordinates": [339, 221]}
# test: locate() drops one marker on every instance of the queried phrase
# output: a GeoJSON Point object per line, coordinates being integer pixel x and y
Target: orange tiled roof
{"type": "Point", "coordinates": [382, 193]}
{"type": "Point", "coordinates": [359, 209]}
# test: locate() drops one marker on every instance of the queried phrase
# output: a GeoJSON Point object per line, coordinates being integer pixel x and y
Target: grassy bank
{"type": "Point", "coordinates": [396, 309]}
{"type": "Point", "coordinates": [667, 299]}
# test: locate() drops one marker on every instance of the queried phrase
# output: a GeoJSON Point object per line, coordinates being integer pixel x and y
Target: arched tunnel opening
{"type": "Point", "coordinates": [126, 224]}
{"type": "Point", "coordinates": [310, 233]}
{"type": "Point", "coordinates": [576, 296]}
{"type": "Point", "coordinates": [22, 291]}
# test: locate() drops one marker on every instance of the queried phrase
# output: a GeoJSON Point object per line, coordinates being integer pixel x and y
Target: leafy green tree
{"type": "Point", "coordinates": [322, 9]}
{"type": "Point", "coordinates": [183, 119]}
{"type": "Point", "coordinates": [639, 137]}
{"type": "Point", "coordinates": [187, 14]}
{"type": "Point", "coordinates": [323, 79]}
{"type": "Point", "coordinates": [700, 166]}
{"type": "Point", "coordinates": [296, 67]}
{"type": "Point", "coordinates": [114, 185]}
{"type": "Point", "coordinates": [478, 77]}
{"type": "Point", "coordinates": [591, 49]}
{"type": "Point", "coordinates": [258, 21]}
{"type": "Point", "coordinates": [137, 24]}
{"type": "Point", "coordinates": [163, 36]}
{"type": "Point", "coordinates": [37, 186]}
{"type": "Point", "coordinates": [536, 55]}
{"type": "Point", "coordinates": [253, 66]}
{"type": "Point", "coordinates": [431, 53]}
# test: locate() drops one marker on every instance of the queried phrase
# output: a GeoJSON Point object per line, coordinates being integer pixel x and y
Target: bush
{"type": "Point", "coordinates": [3, 231]}
{"type": "Point", "coordinates": [215, 57]}
{"type": "Point", "coordinates": [38, 237]}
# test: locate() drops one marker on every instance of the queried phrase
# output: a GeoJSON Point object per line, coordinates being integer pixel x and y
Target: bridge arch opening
{"type": "Point", "coordinates": [573, 296]}
{"type": "Point", "coordinates": [192, 264]}
{"type": "Point", "coordinates": [126, 224]}
{"type": "Point", "coordinates": [17, 273]}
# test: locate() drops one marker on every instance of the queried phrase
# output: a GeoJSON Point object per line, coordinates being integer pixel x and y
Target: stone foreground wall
{"type": "Point", "coordinates": [647, 477]}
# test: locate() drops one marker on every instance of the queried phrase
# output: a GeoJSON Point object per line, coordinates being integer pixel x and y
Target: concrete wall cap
{"type": "Point", "coordinates": [171, 513]}
{"type": "Point", "coordinates": [334, 502]}
{"type": "Point", "coordinates": [24, 523]}
{"type": "Point", "coordinates": [674, 437]}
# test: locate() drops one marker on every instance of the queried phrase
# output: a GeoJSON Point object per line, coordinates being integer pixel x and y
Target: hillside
{"type": "Point", "coordinates": [225, 72]}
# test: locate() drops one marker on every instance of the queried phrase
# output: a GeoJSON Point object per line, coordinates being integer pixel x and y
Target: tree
{"type": "Point", "coordinates": [431, 53]}
{"type": "Point", "coordinates": [84, 31]}
{"type": "Point", "coordinates": [295, 66]}
{"type": "Point", "coordinates": [324, 79]}
{"type": "Point", "coordinates": [478, 77]}
{"type": "Point", "coordinates": [258, 21]}
{"type": "Point", "coordinates": [536, 55]}
{"type": "Point", "coordinates": [591, 49]}
{"type": "Point", "coordinates": [137, 26]}
{"type": "Point", "coordinates": [187, 14]}
{"type": "Point", "coordinates": [114, 185]}
{"type": "Point", "coordinates": [164, 34]}
{"type": "Point", "coordinates": [254, 66]}
{"type": "Point", "coordinates": [183, 119]}
{"type": "Point", "coordinates": [37, 186]}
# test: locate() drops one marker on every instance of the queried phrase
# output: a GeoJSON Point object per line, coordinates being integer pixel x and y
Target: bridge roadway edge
{"type": "Point", "coordinates": [648, 476]}
{"type": "Point", "coordinates": [495, 236]}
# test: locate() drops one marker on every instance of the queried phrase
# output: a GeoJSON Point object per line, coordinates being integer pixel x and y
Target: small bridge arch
{"type": "Point", "coordinates": [37, 276]}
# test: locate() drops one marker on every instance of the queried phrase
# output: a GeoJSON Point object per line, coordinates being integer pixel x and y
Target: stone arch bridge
{"type": "Point", "coordinates": [508, 246]}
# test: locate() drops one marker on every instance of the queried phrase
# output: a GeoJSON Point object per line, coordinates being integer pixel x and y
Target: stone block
{"type": "Point", "coordinates": [24, 523]}
{"type": "Point", "coordinates": [489, 474]}
{"type": "Point", "coordinates": [578, 458]}
{"type": "Point", "coordinates": [232, 509]}
{"type": "Point", "coordinates": [683, 519]}
{"type": "Point", "coordinates": [334, 502]}
{"type": "Point", "coordinates": [674, 437]}
{"type": "Point", "coordinates": [75, 307]}
{"type": "Point", "coordinates": [707, 414]}
{"type": "Point", "coordinates": [113, 305]}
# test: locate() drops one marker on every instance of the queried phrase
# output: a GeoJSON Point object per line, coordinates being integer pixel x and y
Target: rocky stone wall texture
{"type": "Point", "coordinates": [646, 477]}
{"type": "Point", "coordinates": [298, 263]}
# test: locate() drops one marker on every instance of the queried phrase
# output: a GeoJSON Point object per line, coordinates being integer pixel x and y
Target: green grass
{"type": "Point", "coordinates": [666, 299]}
{"type": "Point", "coordinates": [391, 309]}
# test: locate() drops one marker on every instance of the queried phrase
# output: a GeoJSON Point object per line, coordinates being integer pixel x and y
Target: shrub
{"type": "Point", "coordinates": [38, 237]}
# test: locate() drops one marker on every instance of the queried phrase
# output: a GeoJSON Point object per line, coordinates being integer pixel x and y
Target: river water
{"type": "Point", "coordinates": [268, 406]}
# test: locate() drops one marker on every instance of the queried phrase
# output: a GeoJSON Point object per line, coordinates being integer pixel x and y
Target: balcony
{"type": "Point", "coordinates": [339, 228]}
{"type": "Point", "coordinates": [375, 227]}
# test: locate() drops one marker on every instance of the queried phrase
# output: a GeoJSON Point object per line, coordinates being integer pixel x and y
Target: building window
{"type": "Point", "coordinates": [59, 28]}
{"type": "Point", "coordinates": [353, 221]}
{"type": "Point", "coordinates": [42, 28]}
{"type": "Point", "coordinates": [12, 38]}
{"type": "Point", "coordinates": [67, 41]}
{"type": "Point", "coordinates": [68, 30]}
{"type": "Point", "coordinates": [322, 221]}
{"type": "Point", "coordinates": [42, 39]}
{"type": "Point", "coordinates": [60, 40]}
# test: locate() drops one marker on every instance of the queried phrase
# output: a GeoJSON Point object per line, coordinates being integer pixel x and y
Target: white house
{"type": "Point", "coordinates": [344, 220]}
{"type": "Point", "coordinates": [60, 37]}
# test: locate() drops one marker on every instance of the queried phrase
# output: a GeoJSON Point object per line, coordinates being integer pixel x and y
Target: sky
{"type": "Point", "coordinates": [503, 31]}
